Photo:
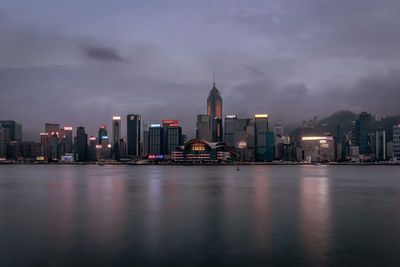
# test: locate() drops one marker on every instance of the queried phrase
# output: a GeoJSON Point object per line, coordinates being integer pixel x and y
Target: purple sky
{"type": "Point", "coordinates": [81, 62]}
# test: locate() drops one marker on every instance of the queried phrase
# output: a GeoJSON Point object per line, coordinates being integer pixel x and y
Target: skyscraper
{"type": "Point", "coordinates": [116, 135]}
{"type": "Point", "coordinates": [172, 136]}
{"type": "Point", "coordinates": [18, 132]}
{"type": "Point", "coordinates": [214, 110]}
{"type": "Point", "coordinates": [396, 142]}
{"type": "Point", "coordinates": [68, 139]}
{"type": "Point", "coordinates": [264, 141]}
{"type": "Point", "coordinates": [133, 134]}
{"type": "Point", "coordinates": [81, 144]}
{"type": "Point", "coordinates": [92, 148]}
{"type": "Point", "coordinates": [102, 132]}
{"type": "Point", "coordinates": [155, 139]}
{"type": "Point", "coordinates": [203, 127]}
{"type": "Point", "coordinates": [363, 128]}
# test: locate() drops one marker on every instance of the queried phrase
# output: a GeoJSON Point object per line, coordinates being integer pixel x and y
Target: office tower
{"type": "Point", "coordinates": [8, 130]}
{"type": "Point", "coordinates": [155, 139]}
{"type": "Point", "coordinates": [363, 128]}
{"type": "Point", "coordinates": [92, 148]}
{"type": "Point", "coordinates": [278, 129]}
{"type": "Point", "coordinates": [68, 146]}
{"type": "Point", "coordinates": [380, 145]}
{"type": "Point", "coordinates": [235, 131]}
{"type": "Point", "coordinates": [2, 144]}
{"type": "Point", "coordinates": [203, 128]}
{"type": "Point", "coordinates": [317, 148]}
{"type": "Point", "coordinates": [18, 131]}
{"type": "Point", "coordinates": [172, 136]}
{"type": "Point", "coordinates": [145, 144]}
{"type": "Point", "coordinates": [260, 136]}
{"type": "Point", "coordinates": [122, 148]}
{"type": "Point", "coordinates": [116, 127]}
{"type": "Point", "coordinates": [214, 111]}
{"type": "Point", "coordinates": [81, 144]}
{"type": "Point", "coordinates": [54, 141]}
{"type": "Point", "coordinates": [396, 142]}
{"type": "Point", "coordinates": [133, 134]}
{"type": "Point", "coordinates": [45, 146]}
{"type": "Point", "coordinates": [105, 148]}
{"type": "Point", "coordinates": [102, 132]}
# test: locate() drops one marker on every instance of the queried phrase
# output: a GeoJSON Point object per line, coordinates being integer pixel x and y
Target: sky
{"type": "Point", "coordinates": [80, 62]}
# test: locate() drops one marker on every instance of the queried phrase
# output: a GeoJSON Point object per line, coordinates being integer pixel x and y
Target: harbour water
{"type": "Point", "coordinates": [52, 215]}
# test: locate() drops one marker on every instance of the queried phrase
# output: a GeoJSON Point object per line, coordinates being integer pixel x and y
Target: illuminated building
{"type": "Point", "coordinates": [92, 148]}
{"type": "Point", "coordinates": [133, 134]}
{"type": "Point", "coordinates": [105, 148]}
{"type": "Point", "coordinates": [198, 151]}
{"type": "Point", "coordinates": [214, 111]}
{"type": "Point", "coordinates": [317, 148]}
{"type": "Point", "coordinates": [396, 142]}
{"type": "Point", "coordinates": [264, 140]}
{"type": "Point", "coordinates": [155, 139]}
{"type": "Point", "coordinates": [203, 127]}
{"type": "Point", "coordinates": [363, 129]}
{"type": "Point", "coordinates": [236, 132]}
{"type": "Point", "coordinates": [81, 144]}
{"type": "Point", "coordinates": [116, 126]}
{"type": "Point", "coordinates": [172, 136]}
{"type": "Point", "coordinates": [68, 139]}
{"type": "Point", "coordinates": [102, 132]}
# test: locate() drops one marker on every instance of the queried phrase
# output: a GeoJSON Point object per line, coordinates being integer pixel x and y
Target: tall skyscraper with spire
{"type": "Point", "coordinates": [214, 111]}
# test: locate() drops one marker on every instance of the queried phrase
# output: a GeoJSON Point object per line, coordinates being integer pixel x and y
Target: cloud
{"type": "Point", "coordinates": [102, 53]}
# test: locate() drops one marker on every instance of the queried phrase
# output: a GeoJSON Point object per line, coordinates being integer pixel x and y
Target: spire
{"type": "Point", "coordinates": [214, 80]}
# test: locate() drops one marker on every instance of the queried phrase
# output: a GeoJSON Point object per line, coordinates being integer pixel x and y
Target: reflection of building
{"type": "Point", "coordinates": [197, 150]}
{"type": "Point", "coordinates": [317, 148]}
{"type": "Point", "coordinates": [396, 142]}
{"type": "Point", "coordinates": [214, 111]}
{"type": "Point", "coordinates": [133, 134]}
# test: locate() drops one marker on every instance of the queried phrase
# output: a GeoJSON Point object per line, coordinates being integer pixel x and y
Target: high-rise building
{"type": "Point", "coordinates": [68, 146]}
{"type": "Point", "coordinates": [2, 144]}
{"type": "Point", "coordinates": [18, 131]}
{"type": "Point", "coordinates": [264, 140]}
{"type": "Point", "coordinates": [116, 122]}
{"type": "Point", "coordinates": [155, 139]}
{"type": "Point", "coordinates": [81, 144]}
{"type": "Point", "coordinates": [133, 134]}
{"type": "Point", "coordinates": [92, 148]}
{"type": "Point", "coordinates": [363, 129]}
{"type": "Point", "coordinates": [172, 136]}
{"type": "Point", "coordinates": [203, 127]}
{"type": "Point", "coordinates": [396, 142]}
{"type": "Point", "coordinates": [380, 145]}
{"type": "Point", "coordinates": [214, 111]}
{"type": "Point", "coordinates": [102, 132]}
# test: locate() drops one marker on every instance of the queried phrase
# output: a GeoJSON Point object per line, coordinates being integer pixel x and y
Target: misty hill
{"type": "Point", "coordinates": [328, 125]}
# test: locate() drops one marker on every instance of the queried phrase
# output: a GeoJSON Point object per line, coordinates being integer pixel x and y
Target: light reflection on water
{"type": "Point", "coordinates": [199, 216]}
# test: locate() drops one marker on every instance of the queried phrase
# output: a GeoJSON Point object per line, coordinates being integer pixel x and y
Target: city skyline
{"type": "Point", "coordinates": [61, 63]}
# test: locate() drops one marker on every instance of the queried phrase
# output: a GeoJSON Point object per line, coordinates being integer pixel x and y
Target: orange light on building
{"type": "Point", "coordinates": [198, 147]}
{"type": "Point", "coordinates": [92, 138]}
{"type": "Point", "coordinates": [116, 118]}
{"type": "Point", "coordinates": [261, 116]}
{"type": "Point", "coordinates": [102, 127]}
{"type": "Point", "coordinates": [173, 125]}
{"type": "Point", "coordinates": [170, 121]}
{"type": "Point", "coordinates": [67, 128]}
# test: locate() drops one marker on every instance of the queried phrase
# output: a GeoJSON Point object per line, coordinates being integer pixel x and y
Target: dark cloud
{"type": "Point", "coordinates": [102, 53]}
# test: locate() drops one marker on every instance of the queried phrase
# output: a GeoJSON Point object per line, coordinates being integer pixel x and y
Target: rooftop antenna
{"type": "Point", "coordinates": [214, 80]}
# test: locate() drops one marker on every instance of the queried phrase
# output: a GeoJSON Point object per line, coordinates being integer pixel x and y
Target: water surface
{"type": "Point", "coordinates": [199, 216]}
